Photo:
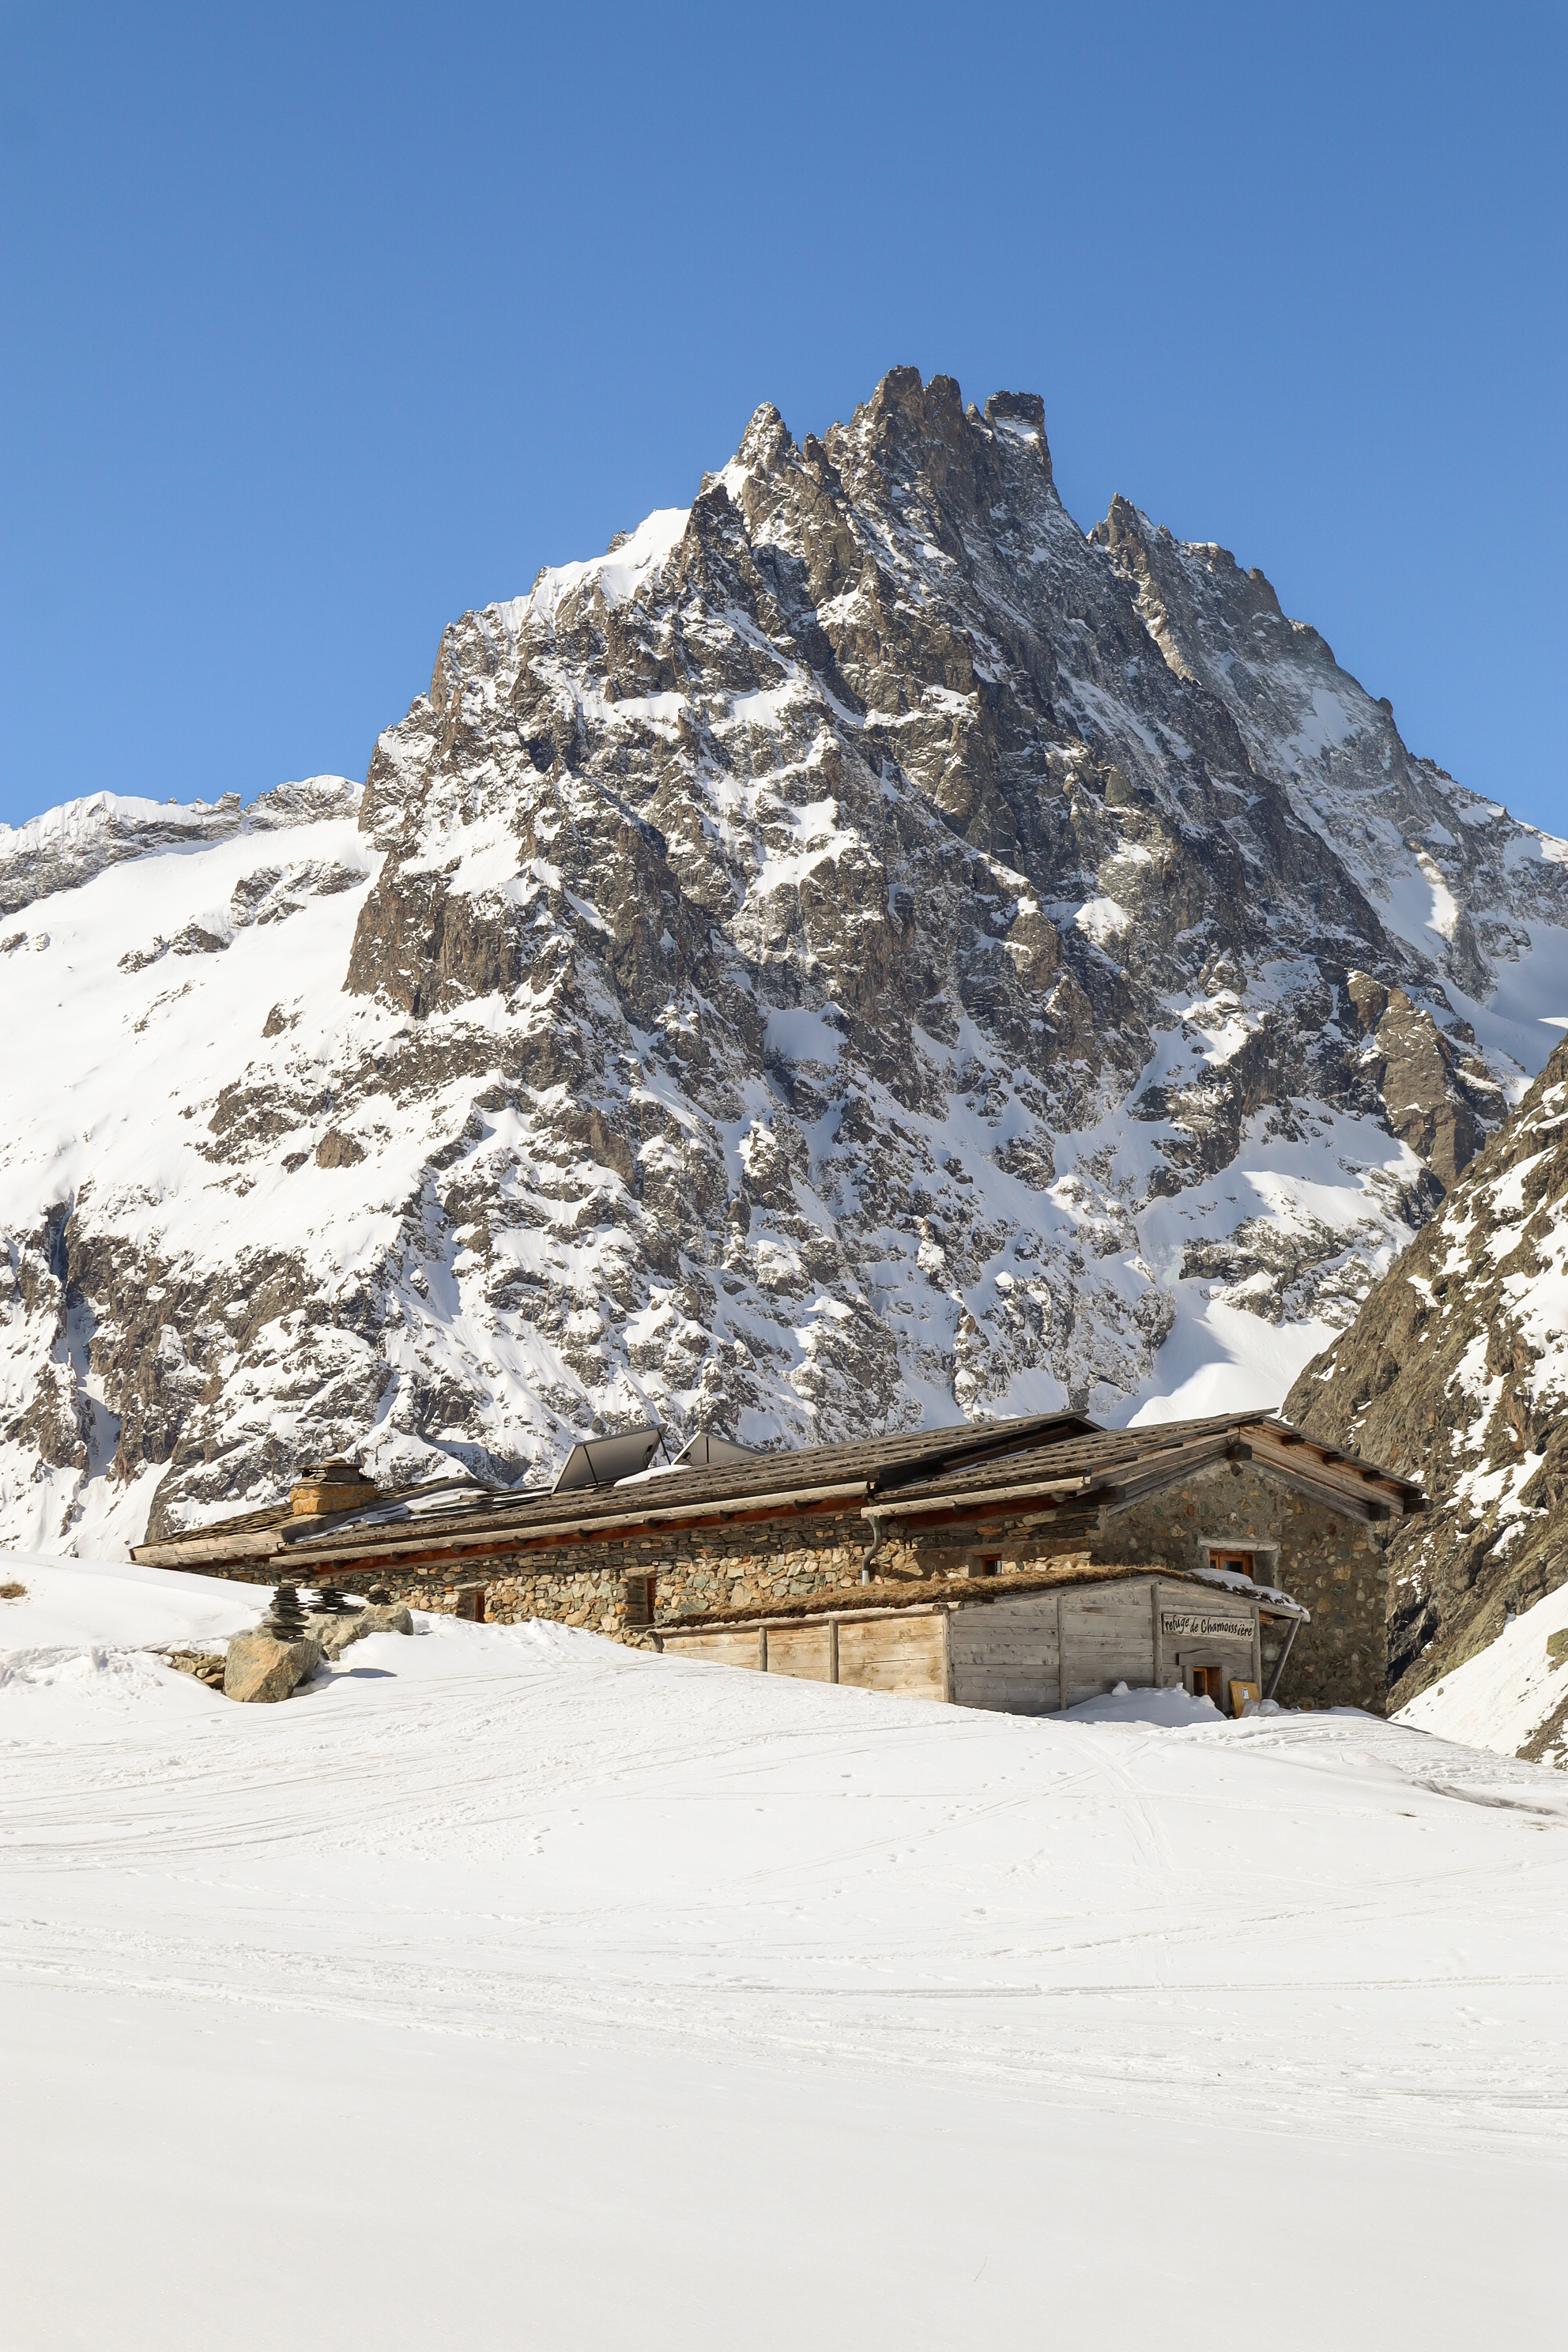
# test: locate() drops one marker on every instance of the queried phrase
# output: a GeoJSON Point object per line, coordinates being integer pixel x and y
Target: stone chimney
{"type": "Point", "coordinates": [334, 1485]}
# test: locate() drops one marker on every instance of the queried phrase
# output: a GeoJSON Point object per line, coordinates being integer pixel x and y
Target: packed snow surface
{"type": "Point", "coordinates": [508, 1987]}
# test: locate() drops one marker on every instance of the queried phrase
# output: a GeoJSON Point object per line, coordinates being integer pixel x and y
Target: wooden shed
{"type": "Point", "coordinates": [1026, 1644]}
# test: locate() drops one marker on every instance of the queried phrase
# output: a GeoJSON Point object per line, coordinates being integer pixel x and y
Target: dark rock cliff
{"type": "Point", "coordinates": [1456, 1372]}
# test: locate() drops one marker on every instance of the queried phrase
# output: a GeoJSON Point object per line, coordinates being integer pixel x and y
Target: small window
{"type": "Point", "coordinates": [1238, 1563]}
{"type": "Point", "coordinates": [991, 1563]}
{"type": "Point", "coordinates": [1206, 1683]}
{"type": "Point", "coordinates": [637, 1593]}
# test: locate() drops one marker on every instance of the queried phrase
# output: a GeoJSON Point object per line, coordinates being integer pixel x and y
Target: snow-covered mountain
{"type": "Point", "coordinates": [858, 950]}
{"type": "Point", "coordinates": [1455, 1373]}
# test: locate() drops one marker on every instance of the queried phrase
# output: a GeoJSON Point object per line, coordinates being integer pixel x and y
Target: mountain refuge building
{"type": "Point", "coordinates": [1024, 1565]}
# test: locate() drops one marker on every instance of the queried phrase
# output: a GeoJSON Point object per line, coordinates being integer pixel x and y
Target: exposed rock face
{"type": "Point", "coordinates": [1455, 1373]}
{"type": "Point", "coordinates": [67, 847]}
{"type": "Point", "coordinates": [335, 1150]}
{"type": "Point", "coordinates": [1437, 1097]}
{"type": "Point", "coordinates": [858, 952]}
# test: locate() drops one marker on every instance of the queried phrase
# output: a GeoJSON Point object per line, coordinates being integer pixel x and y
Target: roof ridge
{"type": "Point", "coordinates": [1023, 1451]}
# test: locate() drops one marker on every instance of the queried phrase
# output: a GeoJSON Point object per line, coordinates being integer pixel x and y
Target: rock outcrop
{"type": "Point", "coordinates": [1455, 1373]}
{"type": "Point", "coordinates": [208, 1667]}
{"type": "Point", "coordinates": [338, 1633]}
{"type": "Point", "coordinates": [258, 1667]}
{"type": "Point", "coordinates": [860, 950]}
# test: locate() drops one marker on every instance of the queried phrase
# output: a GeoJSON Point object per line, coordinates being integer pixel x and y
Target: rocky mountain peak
{"type": "Point", "coordinates": [765, 439]}
{"type": "Point", "coordinates": [857, 951]}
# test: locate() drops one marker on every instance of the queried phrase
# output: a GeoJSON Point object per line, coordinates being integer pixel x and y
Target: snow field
{"type": "Point", "coordinates": [506, 1986]}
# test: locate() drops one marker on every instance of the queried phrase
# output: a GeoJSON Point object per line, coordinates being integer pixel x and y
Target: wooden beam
{"type": "Point", "coordinates": [1279, 1662]}
{"type": "Point", "coordinates": [960, 1505]}
{"type": "Point", "coordinates": [1341, 1476]}
{"type": "Point", "coordinates": [258, 1543]}
{"type": "Point", "coordinates": [406, 1542]}
{"type": "Point", "coordinates": [742, 1621]}
{"type": "Point", "coordinates": [416, 1548]}
{"type": "Point", "coordinates": [1340, 1490]}
{"type": "Point", "coordinates": [1057, 1517]}
{"type": "Point", "coordinates": [676, 1629]}
{"type": "Point", "coordinates": [1333, 1496]}
{"type": "Point", "coordinates": [633, 1516]}
{"type": "Point", "coordinates": [983, 1504]}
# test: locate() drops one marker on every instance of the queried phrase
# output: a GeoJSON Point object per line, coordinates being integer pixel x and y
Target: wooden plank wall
{"type": "Point", "coordinates": [1005, 1655]}
{"type": "Point", "coordinates": [906, 1656]}
{"type": "Point", "coordinates": [804, 1651]}
{"type": "Point", "coordinates": [1108, 1637]}
{"type": "Point", "coordinates": [721, 1647]}
{"type": "Point", "coordinates": [903, 1655]}
{"type": "Point", "coordinates": [1236, 1651]}
{"type": "Point", "coordinates": [1029, 1656]}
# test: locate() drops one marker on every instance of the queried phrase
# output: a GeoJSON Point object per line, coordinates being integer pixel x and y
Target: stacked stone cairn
{"type": "Point", "coordinates": [286, 1620]}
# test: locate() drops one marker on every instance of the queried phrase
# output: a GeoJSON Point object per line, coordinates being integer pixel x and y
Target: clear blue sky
{"type": "Point", "coordinates": [322, 324]}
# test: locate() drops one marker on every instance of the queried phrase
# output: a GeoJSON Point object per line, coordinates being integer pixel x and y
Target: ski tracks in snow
{"type": "Point", "coordinates": [528, 1835]}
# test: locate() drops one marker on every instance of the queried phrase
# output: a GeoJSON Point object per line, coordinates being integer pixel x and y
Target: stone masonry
{"type": "Point", "coordinates": [1334, 1564]}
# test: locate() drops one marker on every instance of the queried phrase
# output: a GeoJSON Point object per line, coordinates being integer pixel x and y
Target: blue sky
{"type": "Point", "coordinates": [322, 324]}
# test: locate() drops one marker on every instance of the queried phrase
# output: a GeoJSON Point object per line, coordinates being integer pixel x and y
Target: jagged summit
{"type": "Point", "coordinates": [858, 950]}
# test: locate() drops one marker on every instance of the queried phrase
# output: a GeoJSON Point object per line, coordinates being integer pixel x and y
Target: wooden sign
{"type": "Point", "coordinates": [1204, 1625]}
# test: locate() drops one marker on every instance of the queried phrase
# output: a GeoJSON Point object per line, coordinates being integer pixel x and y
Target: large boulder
{"type": "Point", "coordinates": [258, 1667]}
{"type": "Point", "coordinates": [335, 1633]}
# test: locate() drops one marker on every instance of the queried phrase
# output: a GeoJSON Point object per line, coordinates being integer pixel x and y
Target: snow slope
{"type": "Point", "coordinates": [1512, 1693]}
{"type": "Point", "coordinates": [72, 1610]}
{"type": "Point", "coordinates": [507, 1986]}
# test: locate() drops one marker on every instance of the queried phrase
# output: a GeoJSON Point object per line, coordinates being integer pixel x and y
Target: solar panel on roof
{"type": "Point", "coordinates": [600, 1461]}
{"type": "Point", "coordinates": [708, 1452]}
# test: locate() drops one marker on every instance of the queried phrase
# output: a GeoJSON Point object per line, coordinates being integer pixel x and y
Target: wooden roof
{"type": "Point", "coordinates": [1044, 1465]}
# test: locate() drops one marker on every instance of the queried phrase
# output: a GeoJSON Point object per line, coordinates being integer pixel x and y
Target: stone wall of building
{"type": "Point", "coordinates": [580, 1584]}
{"type": "Point", "coordinates": [1335, 1565]}
{"type": "Point", "coordinates": [1326, 1561]}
